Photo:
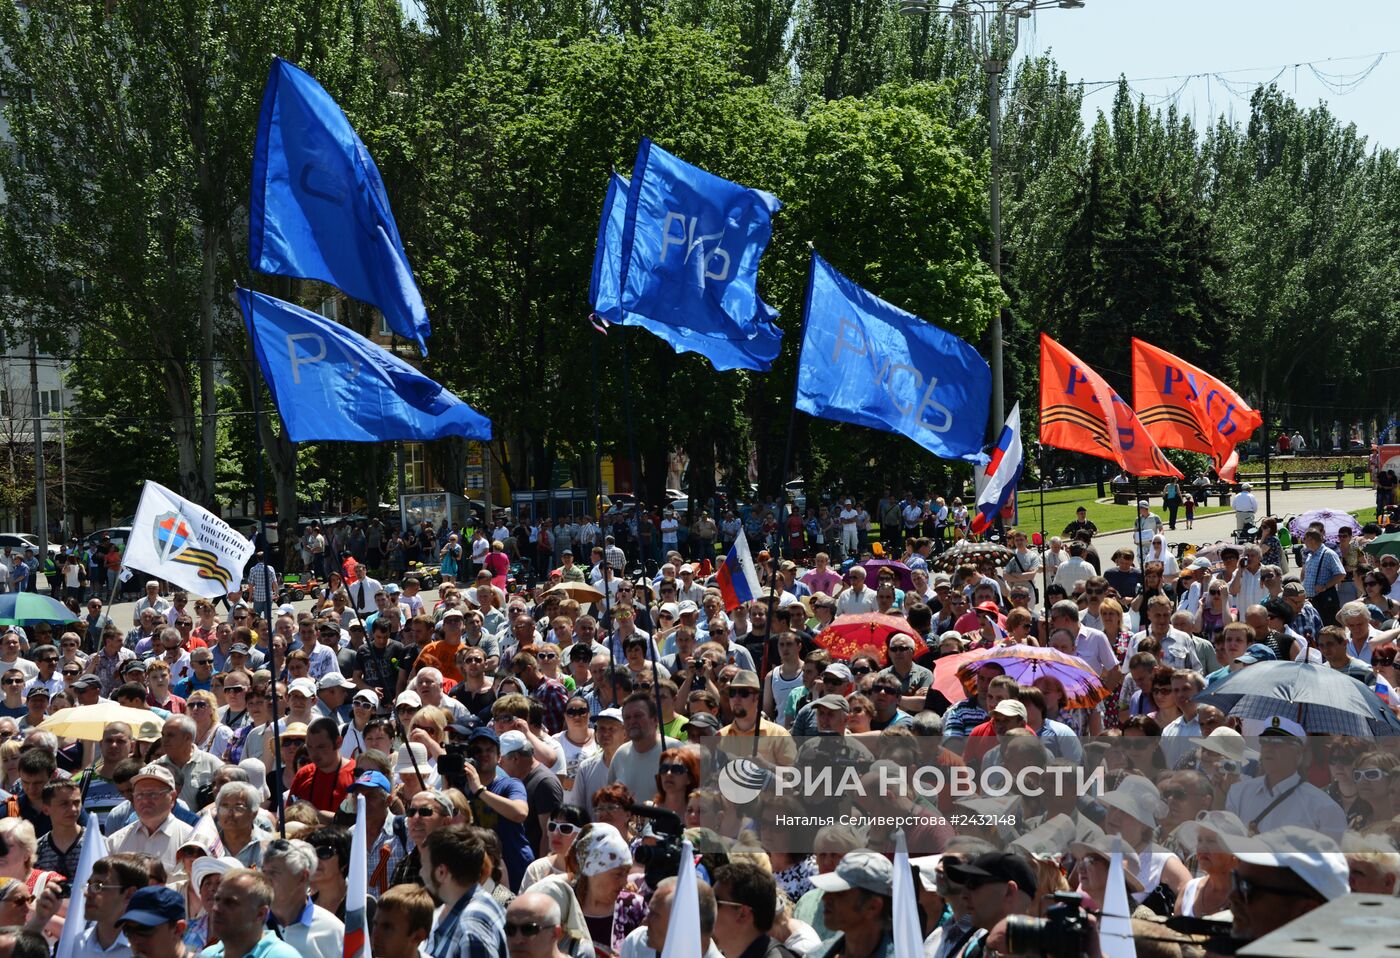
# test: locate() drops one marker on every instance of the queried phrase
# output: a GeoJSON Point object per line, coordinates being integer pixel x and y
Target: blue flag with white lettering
{"type": "Point", "coordinates": [691, 243]}
{"type": "Point", "coordinates": [318, 209]}
{"type": "Point", "coordinates": [604, 293]}
{"type": "Point", "coordinates": [867, 362]}
{"type": "Point", "coordinates": [329, 382]}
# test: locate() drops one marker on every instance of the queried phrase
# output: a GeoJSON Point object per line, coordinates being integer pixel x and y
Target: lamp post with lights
{"type": "Point", "coordinates": [993, 30]}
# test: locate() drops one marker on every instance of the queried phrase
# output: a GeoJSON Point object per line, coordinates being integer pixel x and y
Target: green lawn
{"type": "Point", "coordinates": [1061, 503]}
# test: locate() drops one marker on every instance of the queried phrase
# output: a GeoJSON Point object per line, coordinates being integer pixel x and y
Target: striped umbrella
{"type": "Point", "coordinates": [30, 608]}
{"type": "Point", "coordinates": [1025, 664]}
{"type": "Point", "coordinates": [1317, 697]}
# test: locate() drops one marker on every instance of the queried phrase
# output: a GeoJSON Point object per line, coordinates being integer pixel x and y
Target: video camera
{"type": "Point", "coordinates": [1064, 932]}
{"type": "Point", "coordinates": [662, 860]}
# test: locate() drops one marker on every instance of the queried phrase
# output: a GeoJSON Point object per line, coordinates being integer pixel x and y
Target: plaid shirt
{"type": "Point", "coordinates": [472, 928]}
{"type": "Point", "coordinates": [263, 578]}
{"type": "Point", "coordinates": [553, 696]}
{"type": "Point", "coordinates": [1319, 568]}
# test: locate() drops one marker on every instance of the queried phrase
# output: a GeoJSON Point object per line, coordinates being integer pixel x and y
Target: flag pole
{"type": "Point", "coordinates": [1044, 533]}
{"type": "Point", "coordinates": [782, 485]}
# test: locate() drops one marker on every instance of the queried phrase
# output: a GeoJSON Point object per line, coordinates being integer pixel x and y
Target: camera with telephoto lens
{"type": "Point", "coordinates": [1062, 933]}
{"type": "Point", "coordinates": [662, 860]}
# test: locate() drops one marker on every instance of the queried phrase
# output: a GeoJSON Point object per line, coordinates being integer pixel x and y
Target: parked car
{"type": "Point", "coordinates": [19, 541]}
{"type": "Point", "coordinates": [119, 534]}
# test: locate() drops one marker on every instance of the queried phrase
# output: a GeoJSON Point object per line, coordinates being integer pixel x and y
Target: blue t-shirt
{"type": "Point", "coordinates": [515, 847]}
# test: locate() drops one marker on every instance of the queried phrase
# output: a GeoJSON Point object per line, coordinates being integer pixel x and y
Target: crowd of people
{"type": "Point", "coordinates": [526, 758]}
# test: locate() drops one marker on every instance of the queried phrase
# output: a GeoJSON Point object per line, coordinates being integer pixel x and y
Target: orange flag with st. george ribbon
{"type": "Point", "coordinates": [1080, 412]}
{"type": "Point", "coordinates": [1183, 407]}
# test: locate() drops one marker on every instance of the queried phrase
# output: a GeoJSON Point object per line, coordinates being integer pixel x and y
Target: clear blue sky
{"type": "Point", "coordinates": [1150, 38]}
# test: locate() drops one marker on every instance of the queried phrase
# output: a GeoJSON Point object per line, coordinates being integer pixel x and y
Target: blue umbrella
{"type": "Point", "coordinates": [1317, 697]}
{"type": "Point", "coordinates": [30, 608]}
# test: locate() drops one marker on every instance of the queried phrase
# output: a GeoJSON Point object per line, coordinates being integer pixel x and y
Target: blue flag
{"type": "Point", "coordinates": [691, 243]}
{"type": "Point", "coordinates": [329, 382]}
{"type": "Point", "coordinates": [604, 293]}
{"type": "Point", "coordinates": [318, 209]}
{"type": "Point", "coordinates": [867, 362]}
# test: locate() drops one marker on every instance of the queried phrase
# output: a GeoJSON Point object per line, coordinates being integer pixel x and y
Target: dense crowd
{"type": "Point", "coordinates": [528, 757]}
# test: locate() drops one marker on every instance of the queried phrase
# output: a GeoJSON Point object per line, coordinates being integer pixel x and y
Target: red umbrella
{"type": "Point", "coordinates": [851, 635]}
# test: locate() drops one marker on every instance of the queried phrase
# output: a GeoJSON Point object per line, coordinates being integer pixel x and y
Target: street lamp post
{"type": "Point", "coordinates": [993, 30]}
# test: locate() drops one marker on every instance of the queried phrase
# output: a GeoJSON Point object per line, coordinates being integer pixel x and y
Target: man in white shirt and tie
{"type": "Point", "coordinates": [364, 590]}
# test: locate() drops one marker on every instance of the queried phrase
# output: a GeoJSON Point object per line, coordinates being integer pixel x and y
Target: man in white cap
{"type": "Point", "coordinates": [1281, 875]}
{"type": "Point", "coordinates": [592, 773]}
{"type": "Point", "coordinates": [850, 528]}
{"type": "Point", "coordinates": [543, 793]}
{"type": "Point", "coordinates": [1245, 505]}
{"type": "Point", "coordinates": [856, 902]}
{"type": "Point", "coordinates": [689, 590]}
{"type": "Point", "coordinates": [156, 831]}
{"type": "Point", "coordinates": [1145, 527]}
{"type": "Point", "coordinates": [1279, 796]}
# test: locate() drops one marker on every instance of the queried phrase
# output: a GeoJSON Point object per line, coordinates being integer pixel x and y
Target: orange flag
{"type": "Point", "coordinates": [1183, 407]}
{"type": "Point", "coordinates": [1079, 411]}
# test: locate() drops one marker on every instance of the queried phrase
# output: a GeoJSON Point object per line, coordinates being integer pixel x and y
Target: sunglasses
{"type": "Point", "coordinates": [1369, 774]}
{"type": "Point", "coordinates": [325, 852]}
{"type": "Point", "coordinates": [294, 742]}
{"type": "Point", "coordinates": [235, 689]}
{"type": "Point", "coordinates": [1247, 889]}
{"type": "Point", "coordinates": [564, 828]}
{"type": "Point", "coordinates": [14, 681]}
{"type": "Point", "coordinates": [547, 656]}
{"type": "Point", "coordinates": [742, 693]}
{"type": "Point", "coordinates": [860, 670]}
{"type": "Point", "coordinates": [674, 768]}
{"type": "Point", "coordinates": [576, 712]}
{"type": "Point", "coordinates": [71, 672]}
{"type": "Point", "coordinates": [527, 930]}
{"type": "Point", "coordinates": [420, 812]}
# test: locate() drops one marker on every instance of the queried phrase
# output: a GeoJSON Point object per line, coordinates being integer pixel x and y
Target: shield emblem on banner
{"type": "Point", "coordinates": [172, 534]}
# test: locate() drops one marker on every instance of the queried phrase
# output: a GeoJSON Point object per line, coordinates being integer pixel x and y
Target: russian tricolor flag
{"type": "Point", "coordinates": [738, 579]}
{"type": "Point", "coordinates": [996, 482]}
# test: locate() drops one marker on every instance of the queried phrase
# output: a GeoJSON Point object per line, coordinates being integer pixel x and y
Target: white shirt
{"type": "Point", "coordinates": [1072, 570]}
{"type": "Point", "coordinates": [87, 947]}
{"type": "Point", "coordinates": [636, 945]}
{"type": "Point", "coordinates": [1093, 647]}
{"type": "Point", "coordinates": [163, 843]}
{"type": "Point", "coordinates": [1244, 501]}
{"type": "Point", "coordinates": [913, 513]}
{"type": "Point", "coordinates": [31, 671]}
{"type": "Point", "coordinates": [316, 934]}
{"type": "Point", "coordinates": [1308, 806]}
{"type": "Point", "coordinates": [851, 602]}
{"type": "Point", "coordinates": [848, 517]}
{"type": "Point", "coordinates": [1145, 528]}
{"type": "Point", "coordinates": [1252, 592]}
{"type": "Point", "coordinates": [362, 595]}
{"type": "Point", "coordinates": [1175, 741]}
{"type": "Point", "coordinates": [1178, 650]}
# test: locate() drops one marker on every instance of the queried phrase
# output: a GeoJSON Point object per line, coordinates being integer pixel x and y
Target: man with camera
{"type": "Point", "coordinates": [995, 885]}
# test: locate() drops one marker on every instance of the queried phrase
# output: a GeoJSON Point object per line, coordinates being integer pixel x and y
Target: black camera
{"type": "Point", "coordinates": [662, 860]}
{"type": "Point", "coordinates": [1062, 933]}
{"type": "Point", "coordinates": [452, 764]}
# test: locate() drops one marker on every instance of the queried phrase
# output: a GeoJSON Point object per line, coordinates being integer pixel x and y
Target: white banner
{"type": "Point", "coordinates": [176, 540]}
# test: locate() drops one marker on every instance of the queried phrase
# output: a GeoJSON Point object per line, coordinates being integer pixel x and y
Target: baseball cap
{"type": "Point", "coordinates": [373, 779]}
{"type": "Point", "coordinates": [410, 698]}
{"type": "Point", "coordinates": [487, 733]}
{"type": "Point", "coordinates": [1142, 504]}
{"type": "Point", "coordinates": [993, 867]}
{"type": "Point", "coordinates": [238, 648]}
{"type": "Point", "coordinates": [303, 685]}
{"type": "Point", "coordinates": [988, 606]}
{"type": "Point", "coordinates": [133, 665]}
{"type": "Point", "coordinates": [1200, 564]}
{"type": "Point", "coordinates": [862, 869]}
{"type": "Point", "coordinates": [37, 689]}
{"type": "Point", "coordinates": [513, 741]}
{"type": "Point", "coordinates": [154, 905]}
{"type": "Point", "coordinates": [86, 682]}
{"type": "Point", "coordinates": [392, 589]}
{"type": "Point", "coordinates": [334, 680]}
{"type": "Point", "coordinates": [833, 701]}
{"type": "Point", "coordinates": [841, 670]}
{"type": "Point", "coordinates": [158, 772]}
{"type": "Point", "coordinates": [614, 714]}
{"type": "Point", "coordinates": [745, 679]}
{"type": "Point", "coordinates": [1257, 653]}
{"type": "Point", "coordinates": [1294, 588]}
{"type": "Point", "coordinates": [369, 695]}
{"type": "Point", "coordinates": [1012, 708]}
{"type": "Point", "coordinates": [453, 614]}
{"type": "Point", "coordinates": [688, 608]}
{"type": "Point", "coordinates": [286, 608]}
{"type": "Point", "coordinates": [700, 721]}
{"type": "Point", "coordinates": [686, 568]}
{"type": "Point", "coordinates": [1310, 855]}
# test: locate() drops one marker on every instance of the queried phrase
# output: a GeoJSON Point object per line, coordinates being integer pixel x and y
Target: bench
{"type": "Point", "coordinates": [1285, 479]}
{"type": "Point", "coordinates": [1125, 494]}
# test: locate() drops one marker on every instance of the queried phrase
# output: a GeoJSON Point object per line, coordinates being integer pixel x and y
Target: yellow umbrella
{"type": "Point", "coordinates": [87, 723]}
{"type": "Point", "coordinates": [580, 592]}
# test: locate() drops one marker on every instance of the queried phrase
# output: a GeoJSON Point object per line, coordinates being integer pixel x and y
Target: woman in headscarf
{"type": "Point", "coordinates": [1159, 552]}
{"type": "Point", "coordinates": [602, 861]}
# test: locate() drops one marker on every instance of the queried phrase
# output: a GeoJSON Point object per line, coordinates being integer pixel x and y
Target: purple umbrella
{"type": "Point", "coordinates": [1331, 521]}
{"type": "Point", "coordinates": [902, 577]}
